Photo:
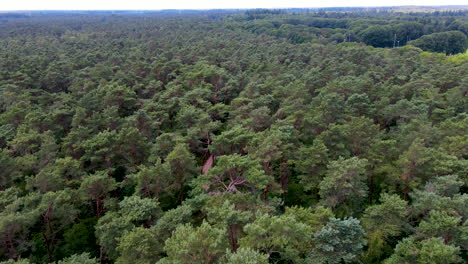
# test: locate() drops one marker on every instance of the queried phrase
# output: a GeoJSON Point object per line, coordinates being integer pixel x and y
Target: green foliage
{"type": "Point", "coordinates": [234, 136]}
{"type": "Point", "coordinates": [441, 194]}
{"type": "Point", "coordinates": [234, 174]}
{"type": "Point", "coordinates": [22, 261]}
{"type": "Point", "coordinates": [8, 168]}
{"type": "Point", "coordinates": [181, 165]}
{"type": "Point", "coordinates": [109, 229]}
{"type": "Point", "coordinates": [16, 221]}
{"type": "Point", "coordinates": [188, 244]}
{"type": "Point", "coordinates": [443, 225]}
{"type": "Point", "coordinates": [431, 250]}
{"type": "Point", "coordinates": [139, 246]}
{"type": "Point", "coordinates": [138, 209]}
{"type": "Point", "coordinates": [339, 240]}
{"type": "Point", "coordinates": [80, 238]}
{"type": "Point", "coordinates": [382, 222]}
{"type": "Point", "coordinates": [283, 235]}
{"type": "Point", "coordinates": [378, 36]}
{"type": "Point", "coordinates": [344, 184]}
{"type": "Point", "coordinates": [312, 164]}
{"type": "Point", "coordinates": [450, 42]}
{"type": "Point", "coordinates": [233, 140]}
{"type": "Point", "coordinates": [228, 217]}
{"type": "Point", "coordinates": [58, 211]}
{"type": "Point", "coordinates": [171, 219]}
{"type": "Point", "coordinates": [152, 181]}
{"type": "Point", "coordinates": [96, 187]}
{"type": "Point", "coordinates": [246, 256]}
{"type": "Point", "coordinates": [315, 218]}
{"type": "Point", "coordinates": [79, 259]}
{"type": "Point", "coordinates": [388, 217]}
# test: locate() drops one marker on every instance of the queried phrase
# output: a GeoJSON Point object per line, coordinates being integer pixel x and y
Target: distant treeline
{"type": "Point", "coordinates": [376, 27]}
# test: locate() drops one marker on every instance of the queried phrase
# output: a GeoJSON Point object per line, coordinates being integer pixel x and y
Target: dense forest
{"type": "Point", "coordinates": [234, 137]}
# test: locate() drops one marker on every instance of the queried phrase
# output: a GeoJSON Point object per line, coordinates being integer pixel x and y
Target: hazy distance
{"type": "Point", "coordinates": [206, 4]}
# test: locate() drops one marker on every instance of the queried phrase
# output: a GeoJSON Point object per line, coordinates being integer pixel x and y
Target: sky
{"type": "Point", "coordinates": [203, 4]}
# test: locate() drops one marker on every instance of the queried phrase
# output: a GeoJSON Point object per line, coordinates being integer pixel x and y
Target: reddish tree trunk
{"type": "Point", "coordinates": [208, 164]}
{"type": "Point", "coordinates": [49, 255]}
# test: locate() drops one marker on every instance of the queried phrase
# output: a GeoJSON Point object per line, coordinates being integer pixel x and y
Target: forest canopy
{"type": "Point", "coordinates": [234, 136]}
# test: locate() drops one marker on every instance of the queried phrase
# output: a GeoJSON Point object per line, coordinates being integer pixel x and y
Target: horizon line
{"type": "Point", "coordinates": [229, 8]}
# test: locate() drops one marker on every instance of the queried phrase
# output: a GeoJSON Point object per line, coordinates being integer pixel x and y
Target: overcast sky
{"type": "Point", "coordinates": [202, 4]}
